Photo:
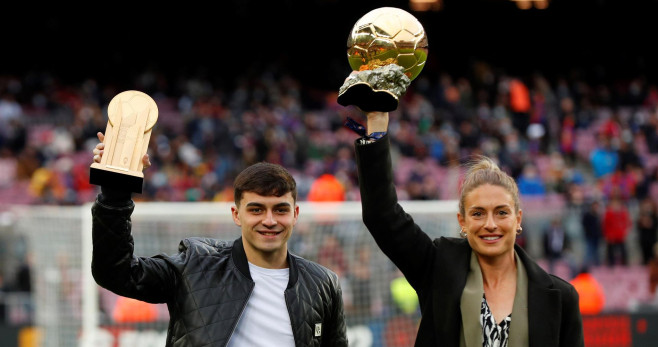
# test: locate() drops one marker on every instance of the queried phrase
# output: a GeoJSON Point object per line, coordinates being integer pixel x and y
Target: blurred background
{"type": "Point", "coordinates": [563, 94]}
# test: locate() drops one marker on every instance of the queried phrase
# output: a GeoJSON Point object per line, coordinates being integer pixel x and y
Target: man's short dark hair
{"type": "Point", "coordinates": [264, 179]}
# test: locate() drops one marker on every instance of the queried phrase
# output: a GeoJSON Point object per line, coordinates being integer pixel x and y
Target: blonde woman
{"type": "Point", "coordinates": [480, 289]}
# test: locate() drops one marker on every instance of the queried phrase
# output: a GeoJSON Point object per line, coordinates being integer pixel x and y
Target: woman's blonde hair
{"type": "Point", "coordinates": [483, 170]}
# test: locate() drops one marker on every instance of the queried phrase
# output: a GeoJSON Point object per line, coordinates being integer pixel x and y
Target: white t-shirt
{"type": "Point", "coordinates": [265, 320]}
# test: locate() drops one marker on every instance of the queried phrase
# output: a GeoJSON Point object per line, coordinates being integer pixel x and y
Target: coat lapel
{"type": "Point", "coordinates": [471, 304]}
{"type": "Point", "coordinates": [519, 328]}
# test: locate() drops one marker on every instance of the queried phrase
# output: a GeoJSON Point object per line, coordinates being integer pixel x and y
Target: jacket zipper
{"type": "Point", "coordinates": [285, 296]}
{"type": "Point", "coordinates": [244, 305]}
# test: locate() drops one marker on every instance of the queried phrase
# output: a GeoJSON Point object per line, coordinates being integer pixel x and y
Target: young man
{"type": "Point", "coordinates": [246, 292]}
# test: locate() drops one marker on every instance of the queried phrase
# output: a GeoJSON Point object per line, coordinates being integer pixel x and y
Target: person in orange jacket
{"type": "Point", "coordinates": [591, 293]}
{"type": "Point", "coordinates": [131, 310]}
{"type": "Point", "coordinates": [326, 188]}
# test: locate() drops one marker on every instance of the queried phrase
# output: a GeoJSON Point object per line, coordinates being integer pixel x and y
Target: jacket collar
{"type": "Point", "coordinates": [240, 260]}
{"type": "Point", "coordinates": [240, 257]}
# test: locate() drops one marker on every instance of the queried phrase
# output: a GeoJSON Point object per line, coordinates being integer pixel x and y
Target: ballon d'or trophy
{"type": "Point", "coordinates": [131, 117]}
{"type": "Point", "coordinates": [388, 46]}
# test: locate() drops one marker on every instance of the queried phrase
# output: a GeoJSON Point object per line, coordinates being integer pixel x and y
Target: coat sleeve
{"type": "Point", "coordinates": [114, 265]}
{"type": "Point", "coordinates": [394, 231]}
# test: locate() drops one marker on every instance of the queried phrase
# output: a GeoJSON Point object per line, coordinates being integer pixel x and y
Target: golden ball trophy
{"type": "Point", "coordinates": [131, 117]}
{"type": "Point", "coordinates": [388, 46]}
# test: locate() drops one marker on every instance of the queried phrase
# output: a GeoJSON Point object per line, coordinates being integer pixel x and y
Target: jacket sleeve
{"type": "Point", "coordinates": [393, 229]}
{"type": "Point", "coordinates": [114, 266]}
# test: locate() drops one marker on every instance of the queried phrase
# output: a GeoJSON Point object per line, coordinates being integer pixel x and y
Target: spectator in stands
{"type": "Point", "coordinates": [616, 225]}
{"type": "Point", "coordinates": [649, 131]}
{"type": "Point", "coordinates": [470, 289]}
{"type": "Point", "coordinates": [646, 179]}
{"type": "Point", "coordinates": [23, 279]}
{"type": "Point", "coordinates": [331, 253]}
{"type": "Point", "coordinates": [128, 310]}
{"type": "Point", "coordinates": [530, 183]}
{"type": "Point", "coordinates": [16, 136]}
{"type": "Point", "coordinates": [590, 291]}
{"type": "Point", "coordinates": [604, 158]}
{"type": "Point", "coordinates": [653, 274]}
{"type": "Point", "coordinates": [20, 282]}
{"type": "Point", "coordinates": [360, 274]}
{"type": "Point", "coordinates": [421, 185]}
{"type": "Point", "coordinates": [326, 188]}
{"type": "Point", "coordinates": [10, 111]}
{"type": "Point", "coordinates": [628, 156]}
{"type": "Point", "coordinates": [591, 223]}
{"type": "Point", "coordinates": [519, 101]}
{"type": "Point", "coordinates": [247, 125]}
{"type": "Point", "coordinates": [3, 306]}
{"type": "Point", "coordinates": [620, 182]}
{"type": "Point", "coordinates": [647, 228]}
{"type": "Point", "coordinates": [226, 290]}
{"type": "Point", "coordinates": [556, 244]}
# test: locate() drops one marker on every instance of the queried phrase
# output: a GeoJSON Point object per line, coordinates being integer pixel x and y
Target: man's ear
{"type": "Point", "coordinates": [296, 214]}
{"type": "Point", "coordinates": [234, 214]}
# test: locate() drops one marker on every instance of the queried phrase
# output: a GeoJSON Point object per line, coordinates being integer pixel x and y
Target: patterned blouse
{"type": "Point", "coordinates": [494, 335]}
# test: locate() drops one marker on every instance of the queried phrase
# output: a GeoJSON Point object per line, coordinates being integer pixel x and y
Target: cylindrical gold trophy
{"type": "Point", "coordinates": [389, 47]}
{"type": "Point", "coordinates": [131, 117]}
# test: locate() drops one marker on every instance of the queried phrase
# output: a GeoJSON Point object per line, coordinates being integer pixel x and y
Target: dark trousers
{"type": "Point", "coordinates": [592, 253]}
{"type": "Point", "coordinates": [617, 254]}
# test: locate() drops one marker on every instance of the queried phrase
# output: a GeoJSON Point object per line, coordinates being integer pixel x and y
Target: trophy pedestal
{"type": "Point", "coordinates": [363, 96]}
{"type": "Point", "coordinates": [116, 179]}
{"type": "Point", "coordinates": [375, 90]}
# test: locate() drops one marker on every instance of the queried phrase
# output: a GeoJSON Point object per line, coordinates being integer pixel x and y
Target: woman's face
{"type": "Point", "coordinates": [490, 221]}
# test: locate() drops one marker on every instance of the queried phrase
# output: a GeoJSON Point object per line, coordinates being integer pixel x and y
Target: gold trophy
{"type": "Point", "coordinates": [388, 46]}
{"type": "Point", "coordinates": [131, 117]}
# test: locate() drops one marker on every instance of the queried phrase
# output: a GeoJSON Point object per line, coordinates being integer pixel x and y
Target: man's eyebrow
{"type": "Point", "coordinates": [258, 204]}
{"type": "Point", "coordinates": [282, 204]}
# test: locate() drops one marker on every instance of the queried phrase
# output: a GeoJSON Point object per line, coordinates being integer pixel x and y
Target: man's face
{"type": "Point", "coordinates": [266, 223]}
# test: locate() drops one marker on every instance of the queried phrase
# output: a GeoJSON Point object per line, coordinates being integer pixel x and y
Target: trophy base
{"type": "Point", "coordinates": [120, 181]}
{"type": "Point", "coordinates": [363, 96]}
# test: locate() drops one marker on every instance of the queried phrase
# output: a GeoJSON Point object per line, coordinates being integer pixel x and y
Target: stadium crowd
{"type": "Point", "coordinates": [568, 141]}
{"type": "Point", "coordinates": [567, 137]}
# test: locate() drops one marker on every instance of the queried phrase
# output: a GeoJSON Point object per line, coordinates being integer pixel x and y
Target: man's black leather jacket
{"type": "Point", "coordinates": [207, 284]}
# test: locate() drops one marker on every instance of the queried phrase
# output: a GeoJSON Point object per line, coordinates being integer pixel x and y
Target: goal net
{"type": "Point", "coordinates": [70, 309]}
